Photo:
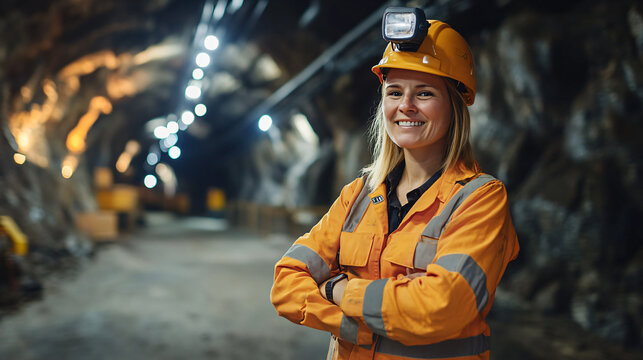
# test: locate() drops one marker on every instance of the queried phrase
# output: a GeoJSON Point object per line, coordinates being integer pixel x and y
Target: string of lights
{"type": "Point", "coordinates": [168, 129]}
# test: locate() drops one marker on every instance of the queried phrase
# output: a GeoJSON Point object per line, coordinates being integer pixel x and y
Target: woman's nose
{"type": "Point", "coordinates": [407, 104]}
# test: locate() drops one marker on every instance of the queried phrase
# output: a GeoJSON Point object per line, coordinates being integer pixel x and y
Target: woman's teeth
{"type": "Point", "coordinates": [410, 123]}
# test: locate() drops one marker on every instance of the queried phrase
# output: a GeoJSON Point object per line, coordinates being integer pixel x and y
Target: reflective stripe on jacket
{"type": "Point", "coordinates": [459, 233]}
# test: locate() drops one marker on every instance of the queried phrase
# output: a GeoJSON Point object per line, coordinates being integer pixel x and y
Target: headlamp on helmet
{"type": "Point", "coordinates": [404, 27]}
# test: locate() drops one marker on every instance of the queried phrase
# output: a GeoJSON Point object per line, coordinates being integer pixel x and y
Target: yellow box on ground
{"type": "Point", "coordinates": [215, 199]}
{"type": "Point", "coordinates": [122, 198]}
{"type": "Point", "coordinates": [100, 225]}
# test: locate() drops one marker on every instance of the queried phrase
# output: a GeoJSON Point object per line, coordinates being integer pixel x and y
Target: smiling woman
{"type": "Point", "coordinates": [406, 262]}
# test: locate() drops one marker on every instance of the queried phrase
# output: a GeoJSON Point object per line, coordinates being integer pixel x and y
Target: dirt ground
{"type": "Point", "coordinates": [179, 289]}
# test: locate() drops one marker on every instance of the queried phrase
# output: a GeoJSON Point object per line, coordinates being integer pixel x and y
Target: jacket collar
{"type": "Point", "coordinates": [451, 176]}
{"type": "Point", "coordinates": [441, 189]}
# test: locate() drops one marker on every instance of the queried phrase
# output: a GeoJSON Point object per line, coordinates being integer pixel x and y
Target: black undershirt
{"type": "Point", "coordinates": [397, 212]}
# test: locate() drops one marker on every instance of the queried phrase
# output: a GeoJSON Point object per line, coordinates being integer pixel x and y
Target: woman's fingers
{"type": "Point", "coordinates": [413, 275]}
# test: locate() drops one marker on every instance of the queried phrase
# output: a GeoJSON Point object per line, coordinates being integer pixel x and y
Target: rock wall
{"type": "Point", "coordinates": [556, 119]}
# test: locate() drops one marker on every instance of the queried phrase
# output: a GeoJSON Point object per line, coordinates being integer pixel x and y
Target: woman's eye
{"type": "Point", "coordinates": [425, 93]}
{"type": "Point", "coordinates": [394, 93]}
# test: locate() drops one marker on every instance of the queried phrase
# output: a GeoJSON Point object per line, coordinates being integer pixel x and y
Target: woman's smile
{"type": "Point", "coordinates": [408, 123]}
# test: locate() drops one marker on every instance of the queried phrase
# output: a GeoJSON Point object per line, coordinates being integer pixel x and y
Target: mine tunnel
{"type": "Point", "coordinates": [158, 158]}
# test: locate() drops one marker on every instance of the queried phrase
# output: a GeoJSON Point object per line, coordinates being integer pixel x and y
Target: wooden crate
{"type": "Point", "coordinates": [179, 203]}
{"type": "Point", "coordinates": [100, 225]}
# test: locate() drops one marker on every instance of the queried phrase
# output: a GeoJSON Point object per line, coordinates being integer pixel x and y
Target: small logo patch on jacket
{"type": "Point", "coordinates": [378, 199]}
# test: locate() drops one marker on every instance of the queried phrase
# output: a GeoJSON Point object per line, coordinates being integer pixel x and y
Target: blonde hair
{"type": "Point", "coordinates": [387, 155]}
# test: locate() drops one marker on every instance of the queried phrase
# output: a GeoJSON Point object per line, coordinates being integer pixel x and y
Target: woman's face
{"type": "Point", "coordinates": [417, 110]}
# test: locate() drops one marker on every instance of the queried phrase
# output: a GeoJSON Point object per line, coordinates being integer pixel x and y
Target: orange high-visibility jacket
{"type": "Point", "coordinates": [459, 232]}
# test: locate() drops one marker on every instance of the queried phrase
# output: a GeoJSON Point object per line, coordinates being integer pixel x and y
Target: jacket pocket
{"type": "Point", "coordinates": [410, 250]}
{"type": "Point", "coordinates": [355, 248]}
{"type": "Point", "coordinates": [400, 249]}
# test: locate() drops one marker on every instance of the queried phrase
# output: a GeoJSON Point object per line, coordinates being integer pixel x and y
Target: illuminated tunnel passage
{"type": "Point", "coordinates": [183, 288]}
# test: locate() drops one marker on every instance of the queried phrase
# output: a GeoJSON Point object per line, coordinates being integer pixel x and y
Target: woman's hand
{"type": "Point", "coordinates": [338, 290]}
{"type": "Point", "coordinates": [412, 275]}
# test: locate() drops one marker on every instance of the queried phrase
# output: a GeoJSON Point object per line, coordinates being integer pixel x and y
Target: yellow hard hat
{"type": "Point", "coordinates": [443, 52]}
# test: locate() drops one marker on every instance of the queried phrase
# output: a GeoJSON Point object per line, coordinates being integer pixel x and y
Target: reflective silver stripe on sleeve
{"type": "Point", "coordinates": [372, 306]}
{"type": "Point", "coordinates": [358, 209]}
{"type": "Point", "coordinates": [437, 224]}
{"type": "Point", "coordinates": [471, 271]}
{"type": "Point", "coordinates": [470, 346]}
{"type": "Point", "coordinates": [424, 253]}
{"type": "Point", "coordinates": [316, 265]}
{"type": "Point", "coordinates": [348, 329]}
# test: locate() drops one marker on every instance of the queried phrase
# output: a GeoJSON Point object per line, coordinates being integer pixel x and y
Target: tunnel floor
{"type": "Point", "coordinates": [180, 288]}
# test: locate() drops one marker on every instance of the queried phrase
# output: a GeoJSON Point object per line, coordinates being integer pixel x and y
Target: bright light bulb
{"type": "Point", "coordinates": [197, 74]}
{"type": "Point", "coordinates": [161, 132]}
{"type": "Point", "coordinates": [200, 109]}
{"type": "Point", "coordinates": [19, 158]}
{"type": "Point", "coordinates": [149, 181]}
{"type": "Point", "coordinates": [187, 117]}
{"type": "Point", "coordinates": [202, 59]}
{"type": "Point", "coordinates": [265, 122]}
{"type": "Point", "coordinates": [211, 42]}
{"type": "Point", "coordinates": [171, 140]}
{"type": "Point", "coordinates": [174, 152]}
{"type": "Point", "coordinates": [67, 171]}
{"type": "Point", "coordinates": [172, 127]}
{"type": "Point", "coordinates": [192, 92]}
{"type": "Point", "coordinates": [152, 159]}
